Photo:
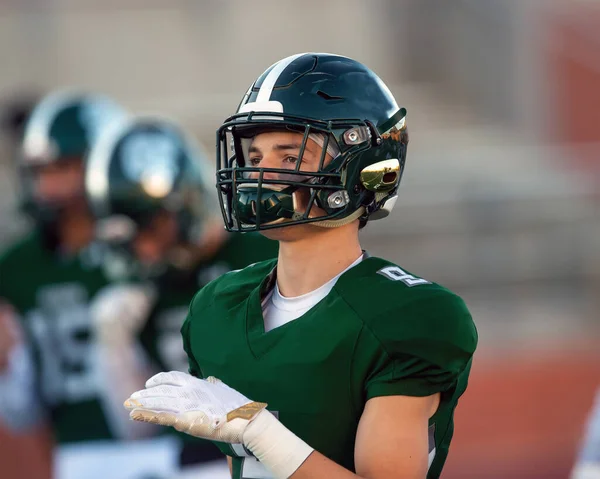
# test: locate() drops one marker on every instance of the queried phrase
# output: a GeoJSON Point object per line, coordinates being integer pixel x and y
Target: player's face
{"type": "Point", "coordinates": [59, 183]}
{"type": "Point", "coordinates": [281, 150]}
{"type": "Point", "coordinates": [153, 242]}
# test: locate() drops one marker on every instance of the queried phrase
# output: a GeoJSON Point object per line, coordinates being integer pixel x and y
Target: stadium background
{"type": "Point", "coordinates": [500, 197]}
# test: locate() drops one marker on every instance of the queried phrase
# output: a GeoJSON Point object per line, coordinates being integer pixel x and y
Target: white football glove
{"type": "Point", "coordinates": [203, 408]}
{"type": "Point", "coordinates": [212, 410]}
{"type": "Point", "coordinates": [119, 311]}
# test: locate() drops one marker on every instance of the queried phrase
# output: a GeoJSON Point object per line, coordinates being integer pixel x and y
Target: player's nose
{"type": "Point", "coordinates": [268, 161]}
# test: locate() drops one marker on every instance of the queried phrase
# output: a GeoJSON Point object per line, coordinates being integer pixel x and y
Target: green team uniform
{"type": "Point", "coordinates": [51, 294]}
{"type": "Point", "coordinates": [379, 332]}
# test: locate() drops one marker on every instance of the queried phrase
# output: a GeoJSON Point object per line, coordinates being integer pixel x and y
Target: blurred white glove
{"type": "Point", "coordinates": [203, 408]}
{"type": "Point", "coordinates": [120, 311]}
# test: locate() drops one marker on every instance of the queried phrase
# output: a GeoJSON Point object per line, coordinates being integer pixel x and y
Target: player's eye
{"type": "Point", "coordinates": [255, 161]}
{"type": "Point", "coordinates": [291, 159]}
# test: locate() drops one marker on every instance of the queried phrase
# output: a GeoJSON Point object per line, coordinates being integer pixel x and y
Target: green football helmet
{"type": "Point", "coordinates": [319, 95]}
{"type": "Point", "coordinates": [61, 128]}
{"type": "Point", "coordinates": [139, 169]}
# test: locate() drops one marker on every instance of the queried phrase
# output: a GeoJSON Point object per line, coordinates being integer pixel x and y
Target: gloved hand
{"type": "Point", "coordinates": [203, 408]}
{"type": "Point", "coordinates": [212, 410]}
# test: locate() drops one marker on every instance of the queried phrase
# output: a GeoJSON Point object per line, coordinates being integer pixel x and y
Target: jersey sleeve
{"type": "Point", "coordinates": [422, 348]}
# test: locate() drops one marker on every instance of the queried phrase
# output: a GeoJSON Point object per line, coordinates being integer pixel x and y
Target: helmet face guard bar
{"type": "Point", "coordinates": [251, 202]}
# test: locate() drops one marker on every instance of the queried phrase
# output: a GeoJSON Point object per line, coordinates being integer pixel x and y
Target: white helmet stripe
{"type": "Point", "coordinates": [264, 94]}
{"type": "Point", "coordinates": [97, 169]}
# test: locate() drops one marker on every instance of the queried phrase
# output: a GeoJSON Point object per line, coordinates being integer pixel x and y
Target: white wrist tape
{"type": "Point", "coordinates": [275, 446]}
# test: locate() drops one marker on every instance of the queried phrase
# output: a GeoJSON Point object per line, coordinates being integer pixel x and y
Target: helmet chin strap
{"type": "Point", "coordinates": [341, 222]}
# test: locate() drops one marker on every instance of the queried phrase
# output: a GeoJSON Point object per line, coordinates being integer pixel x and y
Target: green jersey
{"type": "Point", "coordinates": [380, 332]}
{"type": "Point", "coordinates": [51, 294]}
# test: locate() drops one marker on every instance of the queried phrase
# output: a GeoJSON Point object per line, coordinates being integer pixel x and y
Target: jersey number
{"type": "Point", "coordinates": [61, 328]}
{"type": "Point", "coordinates": [396, 274]}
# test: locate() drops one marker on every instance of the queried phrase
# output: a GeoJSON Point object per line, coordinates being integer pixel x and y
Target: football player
{"type": "Point", "coordinates": [46, 281]}
{"type": "Point", "coordinates": [587, 465]}
{"type": "Point", "coordinates": [157, 214]}
{"type": "Point", "coordinates": [327, 362]}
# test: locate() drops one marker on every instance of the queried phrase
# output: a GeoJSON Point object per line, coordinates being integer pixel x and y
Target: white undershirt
{"type": "Point", "coordinates": [279, 310]}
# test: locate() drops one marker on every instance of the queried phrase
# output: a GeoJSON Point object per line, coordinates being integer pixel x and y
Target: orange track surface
{"type": "Point", "coordinates": [522, 416]}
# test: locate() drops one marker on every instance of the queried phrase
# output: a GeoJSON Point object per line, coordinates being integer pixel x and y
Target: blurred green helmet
{"type": "Point", "coordinates": [61, 128]}
{"type": "Point", "coordinates": [342, 106]}
{"type": "Point", "coordinates": [140, 168]}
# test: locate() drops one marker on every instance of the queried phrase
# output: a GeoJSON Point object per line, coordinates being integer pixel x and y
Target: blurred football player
{"type": "Point", "coordinates": [150, 188]}
{"type": "Point", "coordinates": [359, 362]}
{"type": "Point", "coordinates": [46, 281]}
{"type": "Point", "coordinates": [587, 465]}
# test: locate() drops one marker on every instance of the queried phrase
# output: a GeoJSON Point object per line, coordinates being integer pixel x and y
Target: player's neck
{"type": "Point", "coordinates": [305, 265]}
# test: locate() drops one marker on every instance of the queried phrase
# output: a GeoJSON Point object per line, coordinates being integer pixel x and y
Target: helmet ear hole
{"type": "Point", "coordinates": [390, 178]}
